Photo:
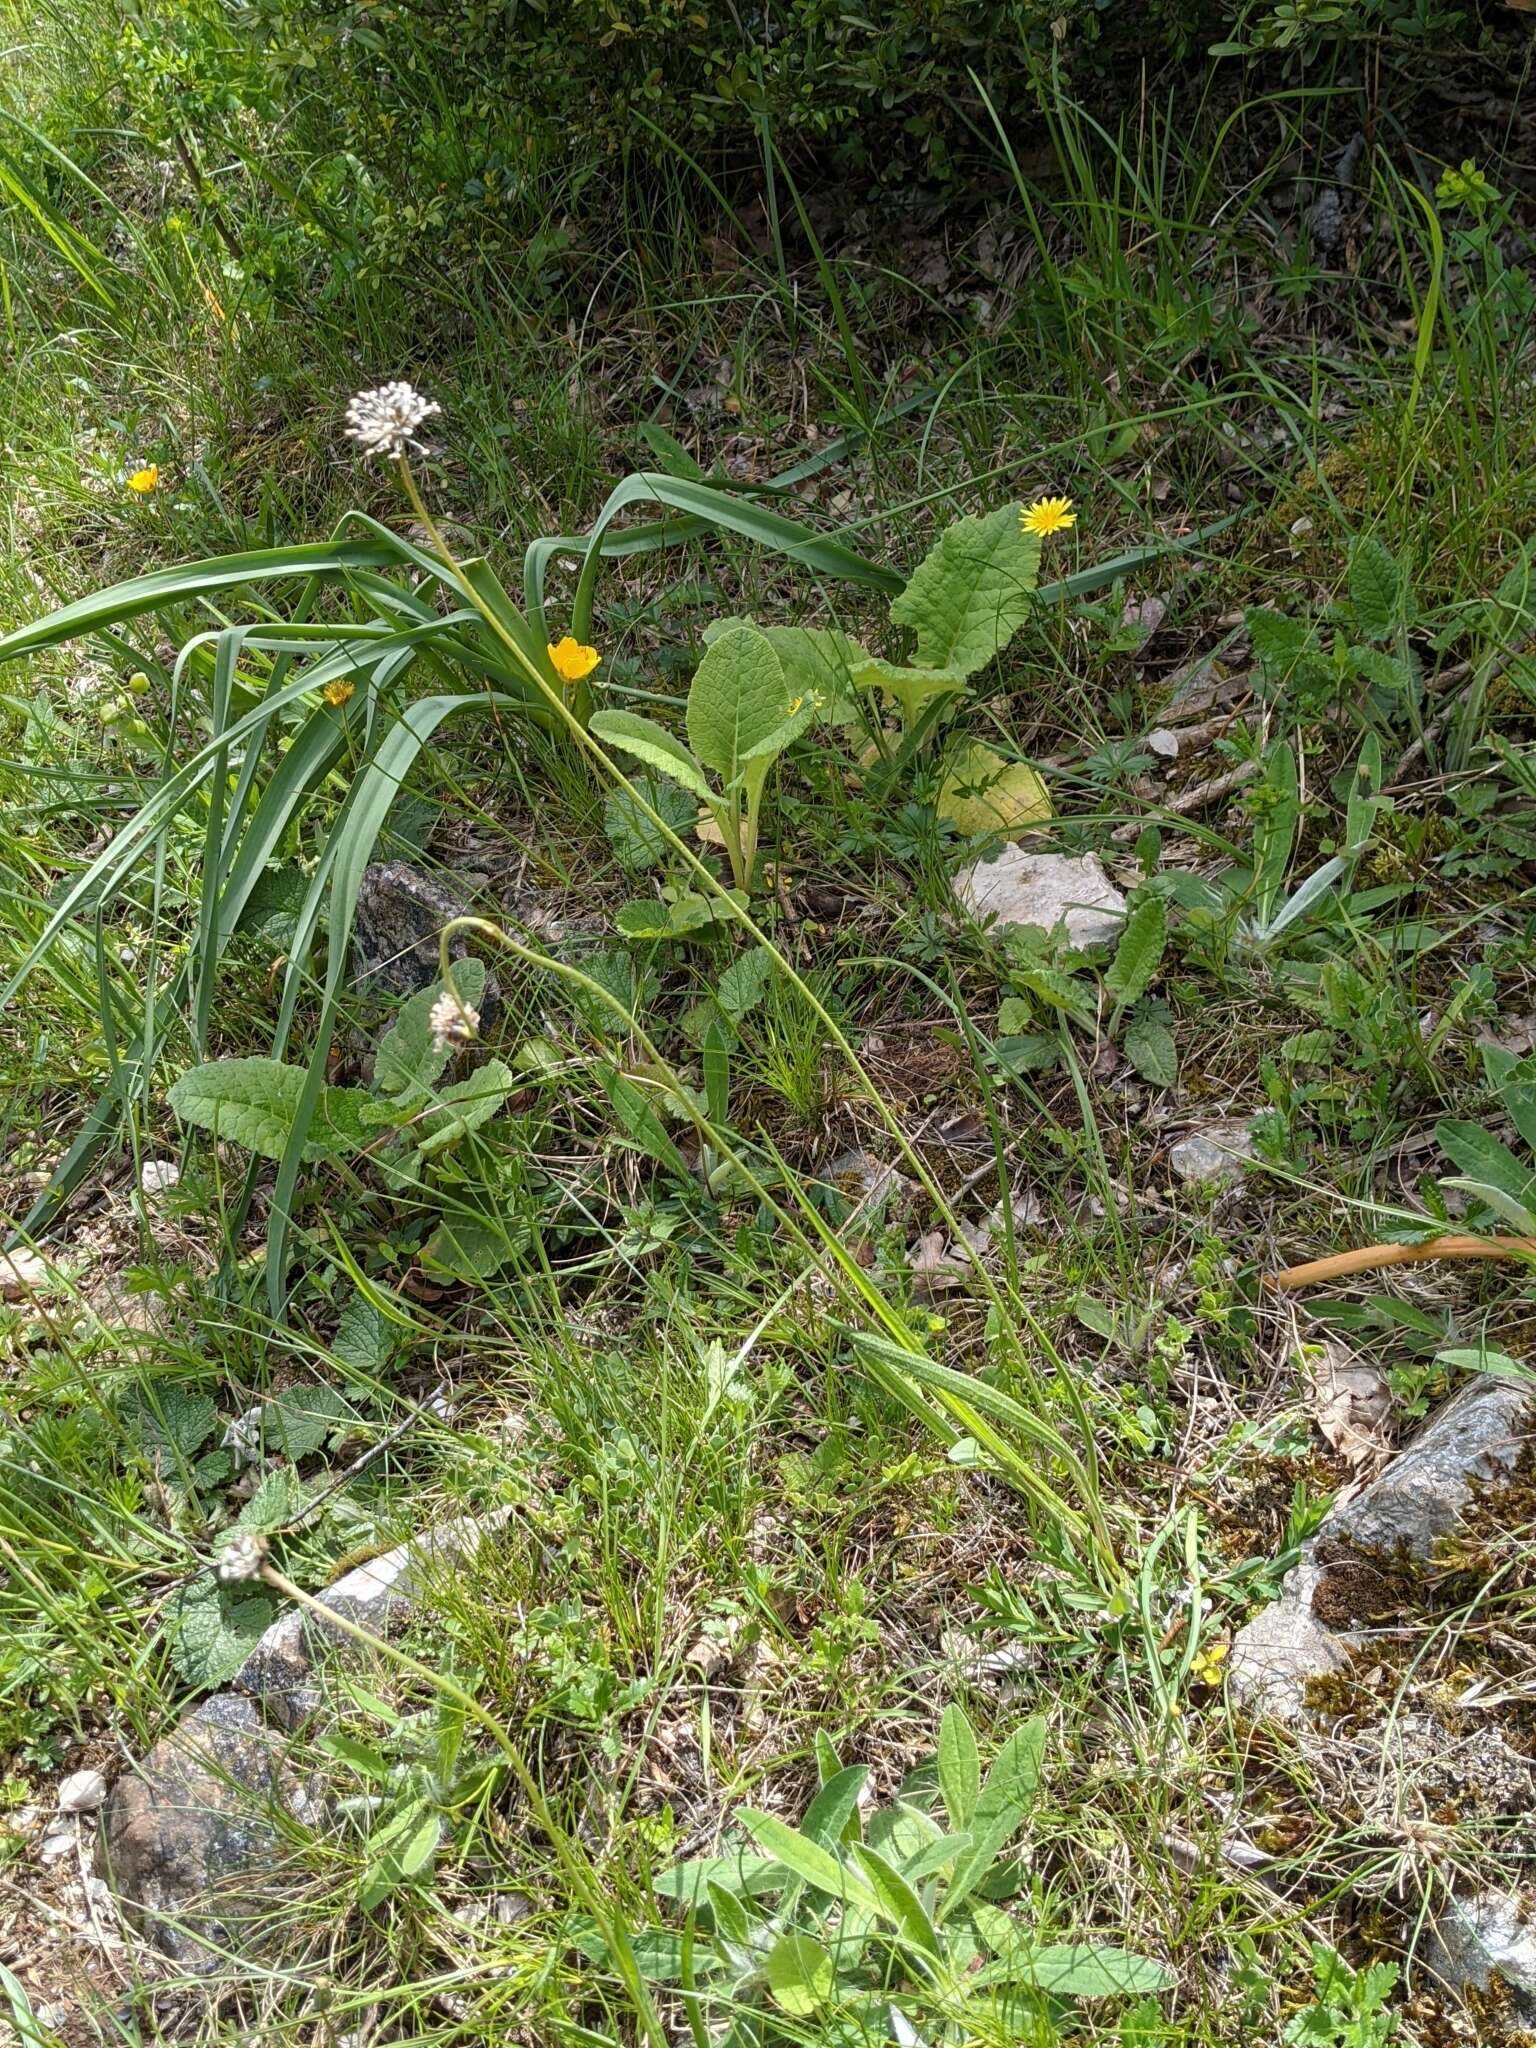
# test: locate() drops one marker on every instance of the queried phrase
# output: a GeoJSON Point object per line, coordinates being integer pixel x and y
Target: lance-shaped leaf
{"type": "Point", "coordinates": [972, 591]}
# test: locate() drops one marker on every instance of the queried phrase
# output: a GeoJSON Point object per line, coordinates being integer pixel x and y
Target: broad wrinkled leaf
{"type": "Point", "coordinates": [212, 1629]}
{"type": "Point", "coordinates": [1378, 588]}
{"type": "Point", "coordinates": [1139, 953]}
{"type": "Point", "coordinates": [736, 701]}
{"type": "Point", "coordinates": [637, 840]}
{"type": "Point", "coordinates": [972, 591]}
{"type": "Point", "coordinates": [1148, 1045]}
{"type": "Point", "coordinates": [464, 1106]}
{"type": "Point", "coordinates": [744, 983]}
{"type": "Point", "coordinates": [253, 1102]}
{"type": "Point", "coordinates": [408, 1061]}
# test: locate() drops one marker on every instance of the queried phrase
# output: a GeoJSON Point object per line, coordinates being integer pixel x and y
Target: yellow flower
{"type": "Point", "coordinates": [1048, 515]}
{"type": "Point", "coordinates": [573, 663]}
{"type": "Point", "coordinates": [145, 480]}
{"type": "Point", "coordinates": [338, 692]}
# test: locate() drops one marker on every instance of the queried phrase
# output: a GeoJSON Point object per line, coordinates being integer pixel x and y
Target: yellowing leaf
{"type": "Point", "coordinates": [983, 792]}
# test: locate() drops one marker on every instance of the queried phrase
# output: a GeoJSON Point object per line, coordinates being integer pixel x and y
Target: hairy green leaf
{"type": "Point", "coordinates": [1139, 954]}
{"type": "Point", "coordinates": [972, 591]}
{"type": "Point", "coordinates": [253, 1102]}
{"type": "Point", "coordinates": [736, 701]}
{"type": "Point", "coordinates": [1378, 588]}
{"type": "Point", "coordinates": [653, 744]}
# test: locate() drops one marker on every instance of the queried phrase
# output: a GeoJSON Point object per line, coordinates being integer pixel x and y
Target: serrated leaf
{"type": "Point", "coordinates": [212, 1629]}
{"type": "Point", "coordinates": [408, 1061]}
{"type": "Point", "coordinates": [744, 983]}
{"type": "Point", "coordinates": [253, 1102]}
{"type": "Point", "coordinates": [1148, 1045]}
{"type": "Point", "coordinates": [1278, 642]}
{"type": "Point", "coordinates": [1378, 588]}
{"type": "Point", "coordinates": [1374, 665]}
{"type": "Point", "coordinates": [177, 1419]}
{"type": "Point", "coordinates": [464, 1106]}
{"type": "Point", "coordinates": [303, 1419]}
{"type": "Point", "coordinates": [637, 841]}
{"type": "Point", "coordinates": [800, 1975]}
{"type": "Point", "coordinates": [274, 1503]}
{"type": "Point", "coordinates": [972, 591]}
{"type": "Point", "coordinates": [365, 1338]}
{"type": "Point", "coordinates": [654, 745]}
{"type": "Point", "coordinates": [1139, 953]}
{"type": "Point", "coordinates": [736, 701]}
{"type": "Point", "coordinates": [985, 792]}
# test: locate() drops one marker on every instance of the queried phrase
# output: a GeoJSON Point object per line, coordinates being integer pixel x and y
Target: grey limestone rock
{"type": "Point", "coordinates": [1219, 1152]}
{"type": "Point", "coordinates": [1045, 890]}
{"type": "Point", "coordinates": [1477, 1435]}
{"type": "Point", "coordinates": [193, 1842]}
{"type": "Point", "coordinates": [1491, 1933]}
{"type": "Point", "coordinates": [397, 931]}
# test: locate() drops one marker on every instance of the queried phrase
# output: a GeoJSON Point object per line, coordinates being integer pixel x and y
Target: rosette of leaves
{"type": "Point", "coordinates": [741, 715]}
{"type": "Point", "coordinates": [879, 1931]}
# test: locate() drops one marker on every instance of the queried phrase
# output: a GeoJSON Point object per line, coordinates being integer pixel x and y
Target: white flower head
{"type": "Point", "coordinates": [453, 1023]}
{"type": "Point", "coordinates": [385, 421]}
{"type": "Point", "coordinates": [241, 1558]}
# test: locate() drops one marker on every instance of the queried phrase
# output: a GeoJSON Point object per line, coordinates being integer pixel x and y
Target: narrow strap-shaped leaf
{"type": "Point", "coordinates": [160, 587]}
{"type": "Point", "coordinates": [351, 848]}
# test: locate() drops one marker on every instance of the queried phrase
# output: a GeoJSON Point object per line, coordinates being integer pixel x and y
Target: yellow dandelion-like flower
{"type": "Point", "coordinates": [1047, 516]}
{"type": "Point", "coordinates": [573, 662]}
{"type": "Point", "coordinates": [145, 480]}
{"type": "Point", "coordinates": [338, 692]}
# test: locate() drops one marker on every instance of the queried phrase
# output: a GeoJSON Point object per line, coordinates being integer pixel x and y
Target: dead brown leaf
{"type": "Point", "coordinates": [1350, 1402]}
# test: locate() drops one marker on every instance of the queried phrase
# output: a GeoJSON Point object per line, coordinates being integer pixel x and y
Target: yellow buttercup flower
{"type": "Point", "coordinates": [338, 692]}
{"type": "Point", "coordinates": [1048, 515]}
{"type": "Point", "coordinates": [145, 480]}
{"type": "Point", "coordinates": [573, 662]}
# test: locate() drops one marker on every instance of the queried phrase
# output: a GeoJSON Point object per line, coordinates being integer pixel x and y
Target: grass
{"type": "Point", "coordinates": [751, 1523]}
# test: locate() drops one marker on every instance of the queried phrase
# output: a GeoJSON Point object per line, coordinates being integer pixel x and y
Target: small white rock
{"type": "Point", "coordinates": [158, 1175]}
{"type": "Point", "coordinates": [1045, 890]}
{"type": "Point", "coordinates": [57, 1841]}
{"type": "Point", "coordinates": [1163, 743]}
{"type": "Point", "coordinates": [1220, 1152]}
{"type": "Point", "coordinates": [82, 1792]}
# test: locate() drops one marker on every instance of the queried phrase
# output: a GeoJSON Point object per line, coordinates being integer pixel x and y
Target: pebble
{"type": "Point", "coordinates": [82, 1792]}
